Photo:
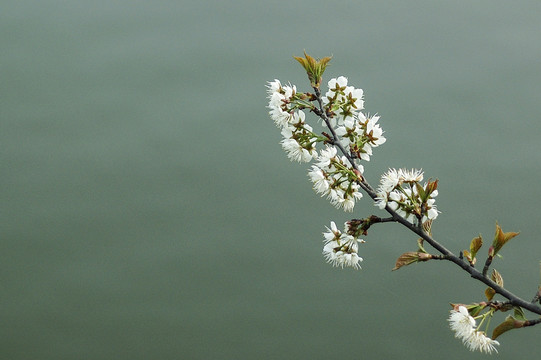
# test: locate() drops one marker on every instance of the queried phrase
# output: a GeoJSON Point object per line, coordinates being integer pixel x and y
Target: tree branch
{"type": "Point", "coordinates": [446, 254]}
{"type": "Point", "coordinates": [531, 322]}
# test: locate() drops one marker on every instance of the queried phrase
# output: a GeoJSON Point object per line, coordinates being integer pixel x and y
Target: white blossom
{"type": "Point", "coordinates": [374, 131]}
{"type": "Point", "coordinates": [465, 328]}
{"type": "Point", "coordinates": [461, 322]}
{"type": "Point", "coordinates": [325, 156]}
{"type": "Point", "coordinates": [336, 86]}
{"type": "Point", "coordinates": [356, 95]}
{"type": "Point", "coordinates": [412, 175]}
{"type": "Point", "coordinates": [389, 181]}
{"type": "Point", "coordinates": [345, 198]}
{"type": "Point", "coordinates": [341, 249]}
{"type": "Point", "coordinates": [319, 178]}
{"type": "Point", "coordinates": [345, 101]}
{"type": "Point", "coordinates": [479, 341]}
{"type": "Point", "coordinates": [360, 134]}
{"type": "Point", "coordinates": [432, 212]}
{"type": "Point", "coordinates": [279, 96]}
{"type": "Point", "coordinates": [341, 93]}
{"type": "Point", "coordinates": [332, 176]}
{"type": "Point", "coordinates": [294, 149]}
{"type": "Point", "coordinates": [273, 86]}
{"type": "Point", "coordinates": [398, 190]}
{"type": "Point", "coordinates": [299, 139]}
{"type": "Point", "coordinates": [332, 233]}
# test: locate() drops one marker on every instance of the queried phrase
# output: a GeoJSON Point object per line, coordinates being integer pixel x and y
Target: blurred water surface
{"type": "Point", "coordinates": [149, 212]}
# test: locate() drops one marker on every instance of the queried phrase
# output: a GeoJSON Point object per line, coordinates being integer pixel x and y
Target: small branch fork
{"type": "Point", "coordinates": [417, 229]}
{"type": "Point", "coordinates": [537, 297]}
{"type": "Point", "coordinates": [488, 262]}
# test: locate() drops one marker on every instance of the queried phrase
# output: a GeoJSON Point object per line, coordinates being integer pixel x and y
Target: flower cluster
{"type": "Point", "coordinates": [342, 100]}
{"type": "Point", "coordinates": [332, 177]}
{"type": "Point", "coordinates": [280, 102]}
{"type": "Point", "coordinates": [465, 328]}
{"type": "Point", "coordinates": [340, 248]}
{"type": "Point", "coordinates": [299, 139]}
{"type": "Point", "coordinates": [402, 192]}
{"type": "Point", "coordinates": [336, 155]}
{"type": "Point", "coordinates": [358, 132]}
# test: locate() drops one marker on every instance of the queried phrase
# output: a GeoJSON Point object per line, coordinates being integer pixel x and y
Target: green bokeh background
{"type": "Point", "coordinates": [148, 211]}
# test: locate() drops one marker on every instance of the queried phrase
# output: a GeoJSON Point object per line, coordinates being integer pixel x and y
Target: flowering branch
{"type": "Point", "coordinates": [337, 173]}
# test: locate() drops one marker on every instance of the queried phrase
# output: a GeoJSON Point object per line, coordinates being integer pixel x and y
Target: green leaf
{"type": "Point", "coordinates": [519, 313]}
{"type": "Point", "coordinates": [420, 242]}
{"type": "Point", "coordinates": [405, 259]}
{"type": "Point", "coordinates": [420, 191]}
{"type": "Point", "coordinates": [314, 68]}
{"type": "Point", "coordinates": [467, 254]}
{"type": "Point", "coordinates": [507, 325]}
{"type": "Point", "coordinates": [496, 277]}
{"type": "Point", "coordinates": [475, 308]}
{"type": "Point", "coordinates": [501, 238]}
{"type": "Point", "coordinates": [489, 293]}
{"type": "Point", "coordinates": [475, 245]}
